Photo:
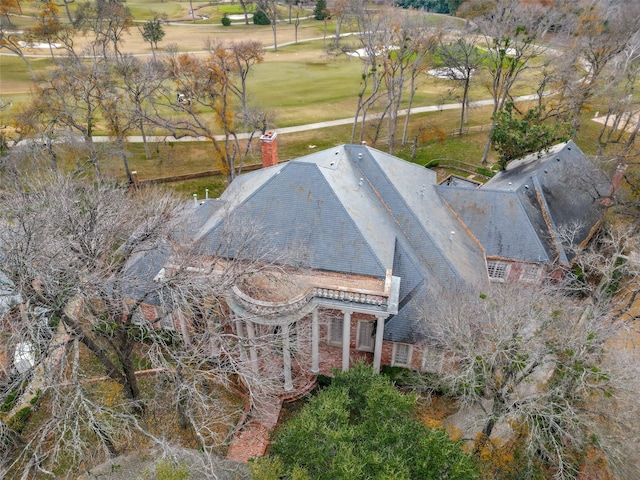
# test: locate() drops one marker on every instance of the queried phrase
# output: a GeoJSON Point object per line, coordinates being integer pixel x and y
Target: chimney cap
{"type": "Point", "coordinates": [268, 137]}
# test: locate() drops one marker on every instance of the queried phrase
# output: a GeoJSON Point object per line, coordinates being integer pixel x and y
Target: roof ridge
{"type": "Point", "coordinates": [408, 212]}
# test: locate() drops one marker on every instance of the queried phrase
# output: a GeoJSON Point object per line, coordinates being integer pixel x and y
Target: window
{"type": "Point", "coordinates": [365, 339]}
{"type": "Point", "coordinates": [498, 271]}
{"type": "Point", "coordinates": [530, 273]}
{"type": "Point", "coordinates": [167, 322]}
{"type": "Point", "coordinates": [335, 330]}
{"type": "Point", "coordinates": [401, 354]}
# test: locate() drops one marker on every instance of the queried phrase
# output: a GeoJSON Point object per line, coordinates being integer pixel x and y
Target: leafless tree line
{"type": "Point", "coordinates": [546, 375]}
{"type": "Point", "coordinates": [83, 258]}
{"type": "Point", "coordinates": [569, 54]}
{"type": "Point", "coordinates": [100, 87]}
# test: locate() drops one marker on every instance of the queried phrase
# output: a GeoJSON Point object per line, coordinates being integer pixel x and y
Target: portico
{"type": "Point", "coordinates": [334, 293]}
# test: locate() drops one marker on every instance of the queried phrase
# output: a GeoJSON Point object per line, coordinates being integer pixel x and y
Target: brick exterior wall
{"type": "Point", "coordinates": [330, 356]}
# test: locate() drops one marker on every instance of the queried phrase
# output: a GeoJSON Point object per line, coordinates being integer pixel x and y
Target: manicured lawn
{"type": "Point", "coordinates": [142, 10]}
{"type": "Point", "coordinates": [15, 79]}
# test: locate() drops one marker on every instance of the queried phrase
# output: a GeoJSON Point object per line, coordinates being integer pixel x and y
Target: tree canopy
{"type": "Point", "coordinates": [360, 427]}
{"type": "Point", "coordinates": [320, 11]}
{"type": "Point", "coordinates": [516, 135]}
{"type": "Point", "coordinates": [436, 6]}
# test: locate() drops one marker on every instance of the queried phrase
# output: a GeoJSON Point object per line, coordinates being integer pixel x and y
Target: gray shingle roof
{"type": "Point", "coordinates": [356, 210]}
{"type": "Point", "coordinates": [505, 224]}
{"type": "Point", "coordinates": [519, 213]}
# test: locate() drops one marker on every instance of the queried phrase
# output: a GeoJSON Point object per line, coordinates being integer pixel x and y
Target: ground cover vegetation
{"type": "Point", "coordinates": [361, 426]}
{"type": "Point", "coordinates": [569, 58]}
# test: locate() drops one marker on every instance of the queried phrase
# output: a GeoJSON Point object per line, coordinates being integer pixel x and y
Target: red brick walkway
{"type": "Point", "coordinates": [252, 439]}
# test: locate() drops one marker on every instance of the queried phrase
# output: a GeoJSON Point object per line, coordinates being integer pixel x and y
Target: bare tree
{"type": "Point", "coordinates": [423, 41]}
{"type": "Point", "coordinates": [69, 101]}
{"type": "Point", "coordinates": [375, 40]}
{"type": "Point", "coordinates": [620, 120]}
{"type": "Point", "coordinates": [410, 44]}
{"type": "Point", "coordinates": [218, 82]}
{"type": "Point", "coordinates": [117, 275]}
{"type": "Point", "coordinates": [142, 83]}
{"type": "Point", "coordinates": [70, 256]}
{"type": "Point", "coordinates": [461, 59]}
{"type": "Point", "coordinates": [10, 41]}
{"type": "Point", "coordinates": [108, 21]}
{"type": "Point", "coordinates": [596, 42]}
{"type": "Point", "coordinates": [340, 11]}
{"type": "Point", "coordinates": [511, 33]}
{"type": "Point", "coordinates": [66, 245]}
{"type": "Point", "coordinates": [394, 48]}
{"type": "Point", "coordinates": [541, 366]}
{"type": "Point", "coordinates": [270, 9]}
{"type": "Point", "coordinates": [246, 5]}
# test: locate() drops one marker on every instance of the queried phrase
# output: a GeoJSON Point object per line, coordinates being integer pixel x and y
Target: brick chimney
{"type": "Point", "coordinates": [269, 144]}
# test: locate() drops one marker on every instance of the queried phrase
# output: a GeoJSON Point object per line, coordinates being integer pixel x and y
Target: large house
{"type": "Point", "coordinates": [374, 238]}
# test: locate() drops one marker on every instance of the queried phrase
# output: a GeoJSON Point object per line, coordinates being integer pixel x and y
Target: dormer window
{"type": "Point", "coordinates": [498, 271]}
{"type": "Point", "coordinates": [530, 273]}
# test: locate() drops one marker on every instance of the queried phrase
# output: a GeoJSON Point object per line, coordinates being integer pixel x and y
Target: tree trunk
{"type": "Point", "coordinates": [465, 101]}
{"type": "Point", "coordinates": [106, 440]}
{"type": "Point", "coordinates": [355, 120]}
{"type": "Point", "coordinates": [275, 37]}
{"type": "Point", "coordinates": [405, 130]}
{"type": "Point", "coordinates": [125, 162]}
{"type": "Point", "coordinates": [26, 62]}
{"type": "Point", "coordinates": [147, 152]}
{"type": "Point", "coordinates": [110, 367]}
{"type": "Point", "coordinates": [338, 28]}
{"type": "Point", "coordinates": [66, 7]}
{"type": "Point", "coordinates": [487, 146]}
{"type": "Point", "coordinates": [130, 375]}
{"type": "Point", "coordinates": [496, 413]}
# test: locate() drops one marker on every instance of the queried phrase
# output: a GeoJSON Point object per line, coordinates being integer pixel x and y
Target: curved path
{"type": "Point", "coordinates": [314, 126]}
{"type": "Point", "coordinates": [292, 129]}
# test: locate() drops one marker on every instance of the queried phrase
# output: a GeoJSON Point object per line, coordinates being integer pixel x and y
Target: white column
{"type": "Point", "coordinates": [253, 355]}
{"type": "Point", "coordinates": [346, 340]}
{"type": "Point", "coordinates": [286, 359]}
{"type": "Point", "coordinates": [241, 336]}
{"type": "Point", "coordinates": [377, 349]}
{"type": "Point", "coordinates": [315, 339]}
